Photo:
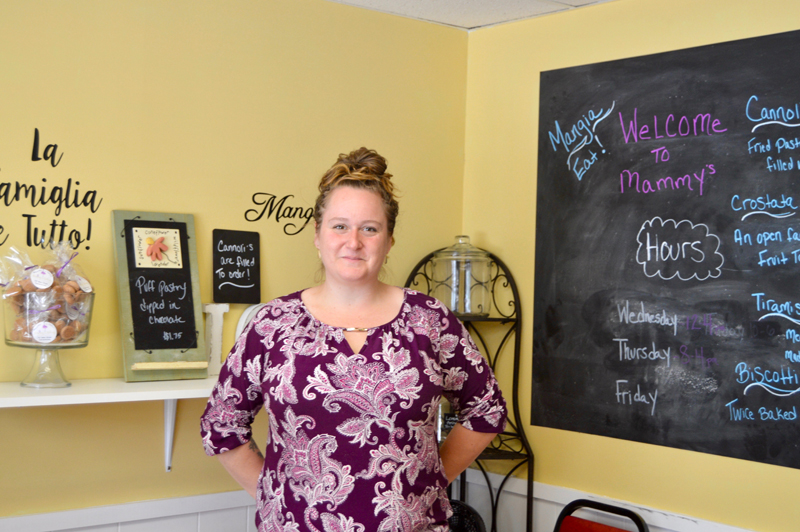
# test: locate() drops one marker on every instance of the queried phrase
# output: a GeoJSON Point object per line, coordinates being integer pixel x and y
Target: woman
{"type": "Point", "coordinates": [351, 373]}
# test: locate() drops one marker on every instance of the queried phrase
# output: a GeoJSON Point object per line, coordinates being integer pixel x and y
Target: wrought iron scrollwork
{"type": "Point", "coordinates": [505, 314]}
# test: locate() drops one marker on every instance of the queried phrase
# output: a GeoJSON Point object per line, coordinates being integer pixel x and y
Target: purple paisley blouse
{"type": "Point", "coordinates": [352, 441]}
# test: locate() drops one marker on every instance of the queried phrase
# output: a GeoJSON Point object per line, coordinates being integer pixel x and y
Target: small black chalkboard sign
{"type": "Point", "coordinates": [162, 307]}
{"type": "Point", "coordinates": [237, 268]}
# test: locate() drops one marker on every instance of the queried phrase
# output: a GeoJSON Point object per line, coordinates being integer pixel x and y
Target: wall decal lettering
{"type": "Point", "coordinates": [62, 197]}
{"type": "Point", "coordinates": [294, 218]}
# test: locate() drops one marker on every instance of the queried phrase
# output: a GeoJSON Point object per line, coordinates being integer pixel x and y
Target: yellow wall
{"type": "Point", "coordinates": [499, 211]}
{"type": "Point", "coordinates": [192, 106]}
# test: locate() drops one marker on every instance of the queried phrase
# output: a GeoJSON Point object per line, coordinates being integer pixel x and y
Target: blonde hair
{"type": "Point", "coordinates": [363, 169]}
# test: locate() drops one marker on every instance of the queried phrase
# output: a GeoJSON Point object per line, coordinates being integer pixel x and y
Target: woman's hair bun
{"type": "Point", "coordinates": [365, 161]}
{"type": "Point", "coordinates": [361, 168]}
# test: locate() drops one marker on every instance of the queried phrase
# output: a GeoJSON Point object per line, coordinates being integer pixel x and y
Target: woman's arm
{"type": "Point", "coordinates": [244, 463]}
{"type": "Point", "coordinates": [461, 447]}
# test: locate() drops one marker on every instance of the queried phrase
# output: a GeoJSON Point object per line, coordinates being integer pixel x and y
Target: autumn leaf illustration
{"type": "Point", "coordinates": [155, 247]}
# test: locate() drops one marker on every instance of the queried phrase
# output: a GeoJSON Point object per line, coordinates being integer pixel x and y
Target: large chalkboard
{"type": "Point", "coordinates": [667, 284]}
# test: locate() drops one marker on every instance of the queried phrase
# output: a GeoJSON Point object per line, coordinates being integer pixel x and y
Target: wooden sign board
{"type": "Point", "coordinates": [237, 266]}
{"type": "Point", "coordinates": [159, 296]}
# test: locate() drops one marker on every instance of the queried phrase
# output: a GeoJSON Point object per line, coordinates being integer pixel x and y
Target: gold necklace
{"type": "Point", "coordinates": [355, 329]}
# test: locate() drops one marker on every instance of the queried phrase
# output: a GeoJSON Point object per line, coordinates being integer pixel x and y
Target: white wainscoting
{"type": "Point", "coordinates": [234, 512]}
{"type": "Point", "coordinates": [220, 512]}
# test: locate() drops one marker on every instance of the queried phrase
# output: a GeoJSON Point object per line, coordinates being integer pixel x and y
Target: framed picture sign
{"type": "Point", "coordinates": [159, 297]}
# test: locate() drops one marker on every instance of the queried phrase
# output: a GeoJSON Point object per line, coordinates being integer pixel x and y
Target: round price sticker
{"type": "Point", "coordinates": [44, 332]}
{"type": "Point", "coordinates": [83, 283]}
{"type": "Point", "coordinates": [42, 278]}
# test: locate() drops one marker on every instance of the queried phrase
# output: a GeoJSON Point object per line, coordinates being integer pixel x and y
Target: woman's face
{"type": "Point", "coordinates": [353, 238]}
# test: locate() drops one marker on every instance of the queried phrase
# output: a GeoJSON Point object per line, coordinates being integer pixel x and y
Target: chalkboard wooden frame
{"type": "Point", "coordinates": [144, 357]}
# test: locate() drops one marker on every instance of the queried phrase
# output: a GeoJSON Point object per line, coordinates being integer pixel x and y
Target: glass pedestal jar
{"type": "Point", "coordinates": [47, 322]}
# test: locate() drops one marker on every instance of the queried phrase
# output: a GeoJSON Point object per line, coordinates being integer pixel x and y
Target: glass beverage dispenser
{"type": "Point", "coordinates": [461, 276]}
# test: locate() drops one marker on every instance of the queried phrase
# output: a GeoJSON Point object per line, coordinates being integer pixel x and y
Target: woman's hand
{"type": "Point", "coordinates": [244, 463]}
{"type": "Point", "coordinates": [461, 448]}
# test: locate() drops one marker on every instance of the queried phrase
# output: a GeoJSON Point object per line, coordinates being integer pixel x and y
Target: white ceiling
{"type": "Point", "coordinates": [470, 14]}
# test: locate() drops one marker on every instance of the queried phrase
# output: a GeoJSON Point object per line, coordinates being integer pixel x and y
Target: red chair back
{"type": "Point", "coordinates": [566, 522]}
{"type": "Point", "coordinates": [576, 524]}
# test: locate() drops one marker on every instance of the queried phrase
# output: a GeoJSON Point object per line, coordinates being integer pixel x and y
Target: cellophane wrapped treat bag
{"type": "Point", "coordinates": [46, 302]}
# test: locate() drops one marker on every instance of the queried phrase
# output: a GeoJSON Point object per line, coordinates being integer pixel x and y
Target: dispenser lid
{"type": "Point", "coordinates": [461, 250]}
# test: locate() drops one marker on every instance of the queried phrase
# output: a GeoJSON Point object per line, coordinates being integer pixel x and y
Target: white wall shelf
{"type": "Point", "coordinates": [94, 391]}
{"type": "Point", "coordinates": [88, 391]}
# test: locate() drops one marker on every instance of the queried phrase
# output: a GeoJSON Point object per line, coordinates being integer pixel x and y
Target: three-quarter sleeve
{"type": "Point", "coordinates": [469, 383]}
{"type": "Point", "coordinates": [237, 396]}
